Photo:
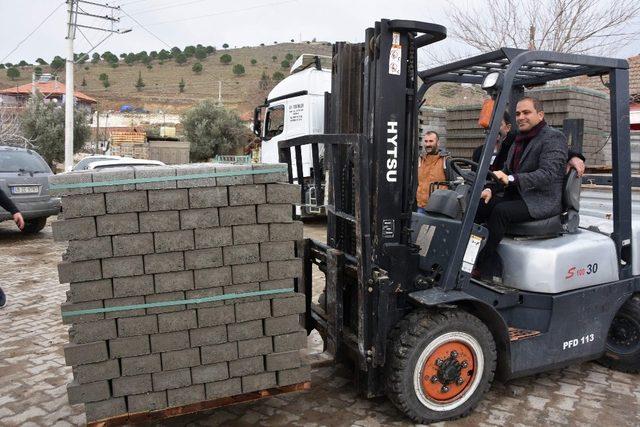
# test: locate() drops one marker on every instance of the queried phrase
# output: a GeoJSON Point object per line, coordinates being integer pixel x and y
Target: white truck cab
{"type": "Point", "coordinates": [295, 107]}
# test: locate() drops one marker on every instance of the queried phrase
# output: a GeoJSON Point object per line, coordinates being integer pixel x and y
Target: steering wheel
{"type": "Point", "coordinates": [468, 175]}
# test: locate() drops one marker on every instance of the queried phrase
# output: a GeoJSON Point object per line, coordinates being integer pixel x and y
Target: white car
{"type": "Point", "coordinates": [83, 164]}
{"type": "Point", "coordinates": [122, 162]}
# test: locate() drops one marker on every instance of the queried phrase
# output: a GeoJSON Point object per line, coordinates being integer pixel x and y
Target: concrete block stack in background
{"type": "Point", "coordinates": [153, 242]}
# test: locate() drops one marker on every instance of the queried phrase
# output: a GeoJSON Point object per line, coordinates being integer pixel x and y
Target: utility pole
{"type": "Point", "coordinates": [68, 103]}
{"type": "Point", "coordinates": [97, 132]}
{"type": "Point", "coordinates": [220, 92]}
{"type": "Point", "coordinates": [74, 9]}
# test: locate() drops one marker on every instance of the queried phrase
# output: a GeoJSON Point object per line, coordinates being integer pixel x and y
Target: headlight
{"type": "Point", "coordinates": [490, 80]}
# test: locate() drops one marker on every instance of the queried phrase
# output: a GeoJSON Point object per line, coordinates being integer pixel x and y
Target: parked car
{"type": "Point", "coordinates": [84, 163]}
{"type": "Point", "coordinates": [122, 162]}
{"type": "Point", "coordinates": [103, 161]}
{"type": "Point", "coordinates": [24, 177]}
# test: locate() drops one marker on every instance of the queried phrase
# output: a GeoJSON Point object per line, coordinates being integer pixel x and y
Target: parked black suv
{"type": "Point", "coordinates": [24, 177]}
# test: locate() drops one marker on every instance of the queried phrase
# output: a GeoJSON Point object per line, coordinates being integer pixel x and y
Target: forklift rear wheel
{"type": "Point", "coordinates": [440, 364]}
{"type": "Point", "coordinates": [623, 342]}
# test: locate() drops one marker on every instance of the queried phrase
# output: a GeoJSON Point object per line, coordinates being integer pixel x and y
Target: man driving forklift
{"type": "Point", "coordinates": [532, 177]}
{"type": "Point", "coordinates": [505, 139]}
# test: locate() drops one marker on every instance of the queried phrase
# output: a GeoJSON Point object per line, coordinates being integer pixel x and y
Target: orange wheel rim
{"type": "Point", "coordinates": [448, 372]}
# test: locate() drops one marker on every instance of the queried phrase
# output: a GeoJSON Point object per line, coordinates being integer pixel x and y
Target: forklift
{"type": "Point", "coordinates": [400, 305]}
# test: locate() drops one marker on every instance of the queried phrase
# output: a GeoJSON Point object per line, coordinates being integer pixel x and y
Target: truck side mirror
{"type": "Point", "coordinates": [257, 124]}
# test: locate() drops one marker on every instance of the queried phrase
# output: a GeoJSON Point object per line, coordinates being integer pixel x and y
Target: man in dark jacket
{"type": "Point", "coordinates": [7, 204]}
{"type": "Point", "coordinates": [532, 176]}
{"type": "Point", "coordinates": [506, 137]}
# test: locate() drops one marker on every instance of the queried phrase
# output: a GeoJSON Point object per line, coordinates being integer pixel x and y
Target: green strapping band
{"type": "Point", "coordinates": [162, 179]}
{"type": "Point", "coordinates": [175, 302]}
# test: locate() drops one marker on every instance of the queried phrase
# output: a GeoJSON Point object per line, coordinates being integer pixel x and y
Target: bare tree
{"type": "Point", "coordinates": [10, 128]}
{"type": "Point", "coordinates": [571, 26]}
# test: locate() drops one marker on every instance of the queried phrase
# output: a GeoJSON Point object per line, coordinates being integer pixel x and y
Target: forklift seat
{"type": "Point", "coordinates": [566, 222]}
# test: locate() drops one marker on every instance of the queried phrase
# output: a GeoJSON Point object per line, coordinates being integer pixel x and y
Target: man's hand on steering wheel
{"type": "Point", "coordinates": [486, 195]}
{"type": "Point", "coordinates": [501, 177]}
{"type": "Point", "coordinates": [469, 176]}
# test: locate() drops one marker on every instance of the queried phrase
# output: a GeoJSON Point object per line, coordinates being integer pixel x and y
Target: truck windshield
{"type": "Point", "coordinates": [274, 122]}
{"type": "Point", "coordinates": [22, 161]}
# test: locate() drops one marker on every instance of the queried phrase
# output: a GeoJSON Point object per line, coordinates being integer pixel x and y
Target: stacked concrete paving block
{"type": "Point", "coordinates": [143, 242]}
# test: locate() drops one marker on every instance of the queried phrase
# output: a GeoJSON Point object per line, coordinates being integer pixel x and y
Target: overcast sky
{"type": "Point", "coordinates": [210, 22]}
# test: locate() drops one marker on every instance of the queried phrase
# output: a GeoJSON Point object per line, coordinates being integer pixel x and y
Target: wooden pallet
{"type": "Point", "coordinates": [121, 137]}
{"type": "Point", "coordinates": [148, 417]}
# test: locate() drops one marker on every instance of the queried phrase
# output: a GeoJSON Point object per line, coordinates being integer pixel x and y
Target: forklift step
{"type": "Point", "coordinates": [516, 334]}
{"type": "Point", "coordinates": [504, 290]}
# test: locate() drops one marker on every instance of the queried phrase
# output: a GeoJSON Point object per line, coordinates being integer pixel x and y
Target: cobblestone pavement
{"type": "Point", "coordinates": [33, 374]}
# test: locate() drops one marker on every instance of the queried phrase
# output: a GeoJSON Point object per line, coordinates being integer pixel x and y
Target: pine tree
{"type": "Point", "coordinates": [181, 85]}
{"type": "Point", "coordinates": [238, 69]}
{"type": "Point", "coordinates": [265, 81]}
{"type": "Point", "coordinates": [181, 58]}
{"type": "Point", "coordinates": [13, 73]}
{"type": "Point", "coordinates": [139, 84]}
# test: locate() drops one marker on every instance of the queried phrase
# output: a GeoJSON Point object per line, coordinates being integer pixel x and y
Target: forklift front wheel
{"type": "Point", "coordinates": [441, 364]}
{"type": "Point", "coordinates": [623, 342]}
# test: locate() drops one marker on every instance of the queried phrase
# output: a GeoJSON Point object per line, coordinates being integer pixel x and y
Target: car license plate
{"type": "Point", "coordinates": [25, 189]}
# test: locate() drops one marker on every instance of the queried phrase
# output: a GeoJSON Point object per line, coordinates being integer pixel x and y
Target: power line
{"type": "Point", "coordinates": [93, 47]}
{"type": "Point", "coordinates": [132, 2]}
{"type": "Point", "coordinates": [224, 12]}
{"type": "Point", "coordinates": [145, 28]}
{"type": "Point", "coordinates": [32, 32]}
{"type": "Point", "coordinates": [167, 6]}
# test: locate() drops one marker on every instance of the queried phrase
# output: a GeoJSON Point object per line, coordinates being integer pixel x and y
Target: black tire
{"type": "Point", "coordinates": [423, 335]}
{"type": "Point", "coordinates": [3, 298]}
{"type": "Point", "coordinates": [622, 351]}
{"type": "Point", "coordinates": [34, 225]}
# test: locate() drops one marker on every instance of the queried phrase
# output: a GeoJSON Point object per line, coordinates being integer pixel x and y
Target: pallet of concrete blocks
{"type": "Point", "coordinates": [181, 288]}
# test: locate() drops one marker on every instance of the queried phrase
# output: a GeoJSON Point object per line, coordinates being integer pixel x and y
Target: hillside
{"type": "Point", "coordinates": [242, 93]}
{"type": "Point", "coordinates": [161, 90]}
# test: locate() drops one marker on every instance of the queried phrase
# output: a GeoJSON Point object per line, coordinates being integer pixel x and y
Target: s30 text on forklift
{"type": "Point", "coordinates": [401, 306]}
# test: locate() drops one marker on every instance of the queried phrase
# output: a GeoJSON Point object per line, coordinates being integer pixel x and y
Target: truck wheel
{"type": "Point", "coordinates": [34, 225]}
{"type": "Point", "coordinates": [440, 364]}
{"type": "Point", "coordinates": [622, 351]}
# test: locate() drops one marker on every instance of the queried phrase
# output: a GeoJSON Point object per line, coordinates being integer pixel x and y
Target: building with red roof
{"type": "Point", "coordinates": [52, 91]}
